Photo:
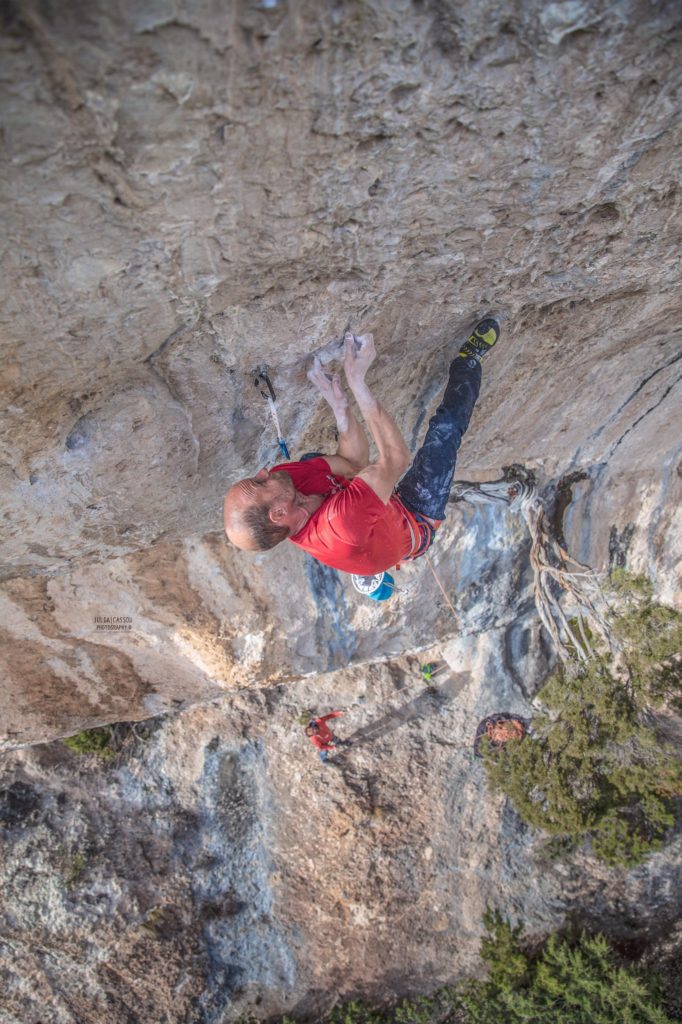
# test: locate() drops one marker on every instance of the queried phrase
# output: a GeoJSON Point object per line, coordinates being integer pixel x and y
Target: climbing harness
{"type": "Point", "coordinates": [442, 588]}
{"type": "Point", "coordinates": [270, 397]}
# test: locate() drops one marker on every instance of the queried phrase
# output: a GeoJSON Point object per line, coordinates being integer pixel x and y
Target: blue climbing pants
{"type": "Point", "coordinates": [425, 488]}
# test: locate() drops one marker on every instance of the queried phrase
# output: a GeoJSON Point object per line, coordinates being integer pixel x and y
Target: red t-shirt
{"type": "Point", "coordinates": [352, 530]}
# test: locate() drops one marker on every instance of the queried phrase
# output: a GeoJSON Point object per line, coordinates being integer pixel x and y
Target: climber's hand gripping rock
{"type": "Point", "coordinates": [332, 391]}
{"type": "Point", "coordinates": [358, 355]}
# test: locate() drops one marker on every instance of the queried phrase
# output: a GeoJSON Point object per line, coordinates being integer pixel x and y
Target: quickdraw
{"type": "Point", "coordinates": [270, 397]}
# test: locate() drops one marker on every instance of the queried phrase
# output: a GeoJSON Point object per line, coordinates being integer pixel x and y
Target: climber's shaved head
{"type": "Point", "coordinates": [238, 501]}
{"type": "Point", "coordinates": [262, 510]}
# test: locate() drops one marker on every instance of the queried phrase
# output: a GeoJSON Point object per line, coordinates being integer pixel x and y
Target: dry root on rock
{"type": "Point", "coordinates": [554, 570]}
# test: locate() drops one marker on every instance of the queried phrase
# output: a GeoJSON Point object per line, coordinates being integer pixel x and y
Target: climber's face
{"type": "Point", "coordinates": [267, 487]}
{"type": "Point", "coordinates": [274, 492]}
{"type": "Point", "coordinates": [264, 489]}
{"type": "Point", "coordinates": [286, 506]}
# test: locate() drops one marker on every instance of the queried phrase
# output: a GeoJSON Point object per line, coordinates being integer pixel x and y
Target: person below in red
{"type": "Point", "coordinates": [345, 510]}
{"type": "Point", "coordinates": [321, 736]}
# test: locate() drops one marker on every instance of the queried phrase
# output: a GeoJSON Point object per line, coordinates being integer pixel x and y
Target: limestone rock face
{"type": "Point", "coordinates": [216, 870]}
{"type": "Point", "coordinates": [194, 190]}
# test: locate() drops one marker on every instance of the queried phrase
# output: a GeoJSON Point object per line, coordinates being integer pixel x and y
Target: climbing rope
{"type": "Point", "coordinates": [442, 588]}
{"type": "Point", "coordinates": [551, 564]}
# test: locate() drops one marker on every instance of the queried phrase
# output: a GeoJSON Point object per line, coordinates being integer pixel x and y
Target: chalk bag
{"type": "Point", "coordinates": [379, 587]}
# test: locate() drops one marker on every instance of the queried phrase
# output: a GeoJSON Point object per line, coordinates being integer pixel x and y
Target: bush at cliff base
{"type": "Point", "coordinates": [578, 982]}
{"type": "Point", "coordinates": [595, 766]}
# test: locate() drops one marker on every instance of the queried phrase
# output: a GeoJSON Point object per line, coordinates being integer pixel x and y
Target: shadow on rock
{"type": "Point", "coordinates": [430, 702]}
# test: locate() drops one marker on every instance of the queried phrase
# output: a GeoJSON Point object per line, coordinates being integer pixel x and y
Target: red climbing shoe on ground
{"type": "Point", "coordinates": [482, 338]}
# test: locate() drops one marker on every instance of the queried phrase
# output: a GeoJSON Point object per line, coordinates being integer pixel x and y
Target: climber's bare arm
{"type": "Point", "coordinates": [393, 456]}
{"type": "Point", "coordinates": [352, 453]}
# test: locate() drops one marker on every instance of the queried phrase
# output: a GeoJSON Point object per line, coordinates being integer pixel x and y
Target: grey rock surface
{"type": "Point", "coordinates": [216, 869]}
{"type": "Point", "coordinates": [194, 190]}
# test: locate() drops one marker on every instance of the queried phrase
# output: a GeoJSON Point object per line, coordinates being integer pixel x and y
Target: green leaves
{"type": "Point", "coordinates": [92, 741]}
{"type": "Point", "coordinates": [572, 982]}
{"type": "Point", "coordinates": [592, 766]}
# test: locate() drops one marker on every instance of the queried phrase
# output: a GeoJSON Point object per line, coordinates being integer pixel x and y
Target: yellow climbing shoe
{"type": "Point", "coordinates": [481, 340]}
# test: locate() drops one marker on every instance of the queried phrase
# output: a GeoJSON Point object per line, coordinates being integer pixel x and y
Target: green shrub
{"type": "Point", "coordinates": [420, 1010]}
{"type": "Point", "coordinates": [92, 741]}
{"type": "Point", "coordinates": [651, 636]}
{"type": "Point", "coordinates": [569, 982]}
{"type": "Point", "coordinates": [592, 766]}
{"type": "Point", "coordinates": [355, 1013]}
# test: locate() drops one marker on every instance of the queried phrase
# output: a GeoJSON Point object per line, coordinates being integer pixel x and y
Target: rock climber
{"type": "Point", "coordinates": [500, 729]}
{"type": "Point", "coordinates": [359, 516]}
{"type": "Point", "coordinates": [321, 736]}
